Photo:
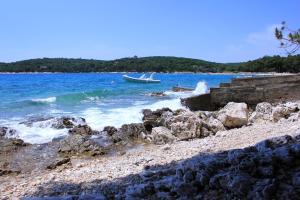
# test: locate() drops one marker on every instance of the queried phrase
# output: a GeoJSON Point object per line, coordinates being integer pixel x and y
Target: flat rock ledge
{"type": "Point", "coordinates": [251, 90]}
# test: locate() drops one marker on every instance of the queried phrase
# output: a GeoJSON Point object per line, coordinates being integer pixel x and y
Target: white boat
{"type": "Point", "coordinates": [141, 79]}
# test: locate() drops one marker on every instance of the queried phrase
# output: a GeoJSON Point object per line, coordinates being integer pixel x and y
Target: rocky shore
{"type": "Point", "coordinates": [231, 153]}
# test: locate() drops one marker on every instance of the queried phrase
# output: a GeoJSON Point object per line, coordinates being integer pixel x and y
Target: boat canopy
{"type": "Point", "coordinates": [141, 79]}
{"type": "Point", "coordinates": [143, 76]}
{"type": "Point", "coordinates": [151, 76]}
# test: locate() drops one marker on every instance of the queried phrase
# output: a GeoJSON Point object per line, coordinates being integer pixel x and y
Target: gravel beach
{"type": "Point", "coordinates": [122, 166]}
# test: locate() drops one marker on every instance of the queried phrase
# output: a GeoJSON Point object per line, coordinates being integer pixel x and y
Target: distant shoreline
{"type": "Point", "coordinates": [211, 73]}
{"type": "Point", "coordinates": [152, 64]}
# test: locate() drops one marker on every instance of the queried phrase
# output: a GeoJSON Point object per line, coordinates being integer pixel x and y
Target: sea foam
{"type": "Point", "coordinates": [201, 88]}
{"type": "Point", "coordinates": [44, 100]}
{"type": "Point", "coordinates": [98, 119]}
{"type": "Point", "coordinates": [37, 133]}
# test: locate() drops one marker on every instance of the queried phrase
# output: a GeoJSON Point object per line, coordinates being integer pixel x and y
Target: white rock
{"type": "Point", "coordinates": [263, 112]}
{"type": "Point", "coordinates": [291, 106]}
{"type": "Point", "coordinates": [280, 112]}
{"type": "Point", "coordinates": [166, 147]}
{"type": "Point", "coordinates": [204, 115]}
{"type": "Point", "coordinates": [184, 124]}
{"type": "Point", "coordinates": [215, 125]}
{"type": "Point", "coordinates": [264, 108]}
{"type": "Point", "coordinates": [234, 115]}
{"type": "Point", "coordinates": [162, 135]}
{"type": "Point", "coordinates": [294, 117]}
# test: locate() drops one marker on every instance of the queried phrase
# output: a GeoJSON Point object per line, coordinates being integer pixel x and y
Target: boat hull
{"type": "Point", "coordinates": [137, 80]}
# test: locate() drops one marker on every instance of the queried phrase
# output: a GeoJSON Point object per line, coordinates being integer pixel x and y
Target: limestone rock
{"type": "Point", "coordinates": [4, 171]}
{"type": "Point", "coordinates": [215, 125]}
{"type": "Point", "coordinates": [10, 144]}
{"type": "Point", "coordinates": [162, 135]}
{"type": "Point", "coordinates": [153, 118]}
{"type": "Point", "coordinates": [133, 130]}
{"type": "Point", "coordinates": [32, 120]}
{"type": "Point", "coordinates": [234, 115]}
{"type": "Point", "coordinates": [55, 122]}
{"type": "Point", "coordinates": [78, 144]}
{"type": "Point", "coordinates": [185, 124]}
{"type": "Point", "coordinates": [294, 117]}
{"type": "Point", "coordinates": [129, 132]}
{"type": "Point", "coordinates": [182, 123]}
{"type": "Point", "coordinates": [68, 122]}
{"type": "Point", "coordinates": [250, 173]}
{"type": "Point", "coordinates": [110, 130]}
{"type": "Point", "coordinates": [58, 162]}
{"type": "Point", "coordinates": [264, 108]}
{"type": "Point", "coordinates": [157, 94]}
{"type": "Point", "coordinates": [5, 131]}
{"type": "Point", "coordinates": [82, 130]}
{"type": "Point", "coordinates": [166, 118]}
{"type": "Point", "coordinates": [285, 111]}
{"type": "Point", "coordinates": [205, 115]}
{"type": "Point", "coordinates": [292, 106]}
{"type": "Point", "coordinates": [263, 112]}
{"type": "Point", "coordinates": [280, 112]}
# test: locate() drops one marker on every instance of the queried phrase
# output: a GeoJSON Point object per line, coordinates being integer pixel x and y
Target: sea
{"type": "Point", "coordinates": [102, 99]}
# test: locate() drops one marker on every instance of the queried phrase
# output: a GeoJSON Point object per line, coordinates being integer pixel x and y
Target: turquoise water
{"type": "Point", "coordinates": [101, 98]}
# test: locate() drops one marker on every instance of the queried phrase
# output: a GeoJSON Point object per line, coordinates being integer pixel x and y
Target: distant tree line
{"type": "Point", "coordinates": [268, 64]}
{"type": "Point", "coordinates": [156, 63]}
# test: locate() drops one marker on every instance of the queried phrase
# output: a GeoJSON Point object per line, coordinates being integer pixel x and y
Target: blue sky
{"type": "Point", "coordinates": [215, 30]}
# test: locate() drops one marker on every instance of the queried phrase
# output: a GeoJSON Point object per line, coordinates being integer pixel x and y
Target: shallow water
{"type": "Point", "coordinates": [101, 98]}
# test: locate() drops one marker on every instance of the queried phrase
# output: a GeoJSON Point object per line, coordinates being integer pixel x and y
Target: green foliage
{"type": "Point", "coordinates": [150, 64]}
{"type": "Point", "coordinates": [289, 39]}
{"type": "Point", "coordinates": [157, 63]}
{"type": "Point", "coordinates": [269, 64]}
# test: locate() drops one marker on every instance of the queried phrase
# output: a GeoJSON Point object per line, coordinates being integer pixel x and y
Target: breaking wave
{"type": "Point", "coordinates": [201, 88]}
{"type": "Point", "coordinates": [97, 116]}
{"type": "Point", "coordinates": [98, 119]}
{"type": "Point", "coordinates": [44, 100]}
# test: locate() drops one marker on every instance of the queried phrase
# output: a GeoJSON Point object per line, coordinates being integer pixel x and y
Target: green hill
{"type": "Point", "coordinates": [155, 63]}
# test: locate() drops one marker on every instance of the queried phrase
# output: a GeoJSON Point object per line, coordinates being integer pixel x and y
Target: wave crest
{"type": "Point", "coordinates": [201, 88]}
{"type": "Point", "coordinates": [44, 100]}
